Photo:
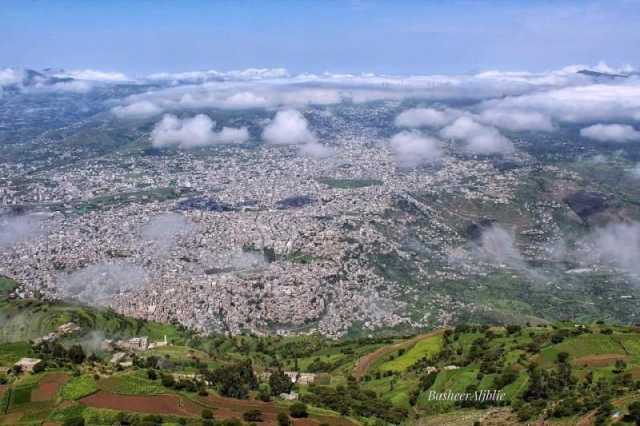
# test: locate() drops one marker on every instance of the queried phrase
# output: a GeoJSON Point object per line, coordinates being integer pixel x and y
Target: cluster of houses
{"type": "Point", "coordinates": [63, 330]}
{"type": "Point", "coordinates": [135, 344]}
{"type": "Point", "coordinates": [123, 348]}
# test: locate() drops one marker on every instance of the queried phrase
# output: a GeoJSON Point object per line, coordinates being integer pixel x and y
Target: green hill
{"type": "Point", "coordinates": [563, 373]}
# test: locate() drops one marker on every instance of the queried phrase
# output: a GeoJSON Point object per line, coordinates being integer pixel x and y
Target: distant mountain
{"type": "Point", "coordinates": [598, 74]}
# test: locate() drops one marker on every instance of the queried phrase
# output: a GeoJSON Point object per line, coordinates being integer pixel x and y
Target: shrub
{"type": "Point", "coordinates": [151, 374]}
{"type": "Point", "coordinates": [207, 414]}
{"type": "Point", "coordinates": [167, 380]}
{"type": "Point", "coordinates": [74, 421]}
{"type": "Point", "coordinates": [298, 410]}
{"type": "Point", "coordinates": [283, 419]}
{"type": "Point", "coordinates": [254, 415]}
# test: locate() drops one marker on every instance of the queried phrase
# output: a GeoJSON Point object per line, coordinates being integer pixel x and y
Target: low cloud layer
{"type": "Point", "coordinates": [616, 245]}
{"type": "Point", "coordinates": [412, 148]}
{"type": "Point", "coordinates": [478, 138]}
{"type": "Point", "coordinates": [611, 133]}
{"type": "Point", "coordinates": [163, 231]}
{"type": "Point", "coordinates": [18, 229]}
{"type": "Point", "coordinates": [98, 284]}
{"type": "Point", "coordinates": [143, 109]}
{"type": "Point", "coordinates": [194, 132]}
{"type": "Point", "coordinates": [517, 120]}
{"type": "Point", "coordinates": [425, 117]}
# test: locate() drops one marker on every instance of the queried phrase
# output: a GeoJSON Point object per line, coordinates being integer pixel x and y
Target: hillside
{"type": "Point", "coordinates": [563, 372]}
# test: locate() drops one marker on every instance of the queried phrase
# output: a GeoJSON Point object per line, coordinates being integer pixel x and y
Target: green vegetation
{"type": "Point", "coordinates": [560, 372]}
{"type": "Point", "coordinates": [79, 387]}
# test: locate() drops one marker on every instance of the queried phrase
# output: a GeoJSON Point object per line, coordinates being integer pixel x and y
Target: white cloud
{"type": "Point", "coordinates": [98, 284]}
{"type": "Point", "coordinates": [163, 231]}
{"type": "Point", "coordinates": [142, 109]}
{"type": "Point", "coordinates": [479, 139]}
{"type": "Point", "coordinates": [213, 75]}
{"type": "Point", "coordinates": [516, 120]}
{"type": "Point", "coordinates": [18, 229]}
{"type": "Point", "coordinates": [289, 127]}
{"type": "Point", "coordinates": [610, 133]}
{"type": "Point", "coordinates": [588, 102]}
{"type": "Point", "coordinates": [10, 76]}
{"type": "Point", "coordinates": [316, 150]}
{"type": "Point", "coordinates": [93, 75]}
{"type": "Point", "coordinates": [412, 148]}
{"type": "Point", "coordinates": [425, 117]}
{"type": "Point", "coordinates": [635, 171]}
{"type": "Point", "coordinates": [618, 245]}
{"type": "Point", "coordinates": [194, 132]}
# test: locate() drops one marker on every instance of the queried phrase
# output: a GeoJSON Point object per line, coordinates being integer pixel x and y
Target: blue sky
{"type": "Point", "coordinates": [400, 37]}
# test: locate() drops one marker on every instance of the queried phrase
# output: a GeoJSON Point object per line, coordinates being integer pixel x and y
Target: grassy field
{"type": "Point", "coordinates": [78, 387]}
{"type": "Point", "coordinates": [29, 319]}
{"type": "Point", "coordinates": [131, 384]}
{"type": "Point", "coordinates": [423, 348]}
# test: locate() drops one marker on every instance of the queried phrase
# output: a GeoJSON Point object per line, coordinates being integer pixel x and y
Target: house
{"type": "Point", "coordinates": [291, 396]}
{"type": "Point", "coordinates": [301, 378]}
{"type": "Point", "coordinates": [121, 358]}
{"type": "Point", "coordinates": [28, 364]}
{"type": "Point", "coordinates": [160, 344]}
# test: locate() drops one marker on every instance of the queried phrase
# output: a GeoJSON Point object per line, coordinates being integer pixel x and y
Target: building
{"type": "Point", "coordinates": [301, 378]}
{"type": "Point", "coordinates": [28, 364]}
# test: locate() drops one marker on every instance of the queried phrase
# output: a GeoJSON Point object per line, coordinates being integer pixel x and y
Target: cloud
{"type": "Point", "coordinates": [194, 132]}
{"type": "Point", "coordinates": [289, 127]}
{"type": "Point", "coordinates": [18, 229]}
{"type": "Point", "coordinates": [213, 75]}
{"type": "Point", "coordinates": [635, 171]}
{"type": "Point", "coordinates": [316, 150]}
{"type": "Point", "coordinates": [10, 77]}
{"type": "Point", "coordinates": [93, 75]}
{"type": "Point", "coordinates": [265, 88]}
{"type": "Point", "coordinates": [584, 103]}
{"type": "Point", "coordinates": [610, 133]}
{"type": "Point", "coordinates": [479, 139]}
{"type": "Point", "coordinates": [425, 117]}
{"type": "Point", "coordinates": [412, 148]}
{"type": "Point", "coordinates": [497, 245]}
{"type": "Point", "coordinates": [142, 109]}
{"type": "Point", "coordinates": [98, 284]}
{"type": "Point", "coordinates": [617, 245]}
{"type": "Point", "coordinates": [162, 231]}
{"type": "Point", "coordinates": [516, 120]}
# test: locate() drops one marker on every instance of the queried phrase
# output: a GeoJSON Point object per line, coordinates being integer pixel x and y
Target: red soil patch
{"type": "Point", "coordinates": [48, 387]}
{"type": "Point", "coordinates": [3, 388]}
{"type": "Point", "coordinates": [223, 408]}
{"type": "Point", "coordinates": [154, 404]}
{"type": "Point", "coordinates": [602, 360]}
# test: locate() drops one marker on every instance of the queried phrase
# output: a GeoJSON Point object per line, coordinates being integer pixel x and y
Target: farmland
{"type": "Point", "coordinates": [587, 372]}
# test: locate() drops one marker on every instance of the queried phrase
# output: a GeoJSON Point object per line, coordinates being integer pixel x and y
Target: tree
{"type": "Point", "coordinates": [280, 383]}
{"type": "Point", "coordinates": [283, 419]}
{"type": "Point", "coordinates": [76, 354]}
{"type": "Point", "coordinates": [634, 412]}
{"type": "Point", "coordinates": [298, 410]}
{"type": "Point", "coordinates": [264, 392]}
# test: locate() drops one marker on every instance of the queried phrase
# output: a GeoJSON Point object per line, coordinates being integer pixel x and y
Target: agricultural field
{"type": "Point", "coordinates": [585, 372]}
